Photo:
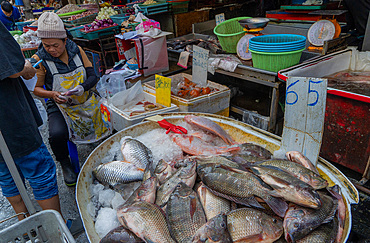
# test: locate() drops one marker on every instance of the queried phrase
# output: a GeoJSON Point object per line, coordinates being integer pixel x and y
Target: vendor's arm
{"type": "Point", "coordinates": [27, 73]}
{"type": "Point", "coordinates": [91, 78]}
{"type": "Point", "coordinates": [39, 90]}
{"type": "Point", "coordinates": [16, 14]}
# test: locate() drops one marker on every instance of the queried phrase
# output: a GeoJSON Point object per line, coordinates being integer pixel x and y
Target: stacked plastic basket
{"type": "Point", "coordinates": [276, 52]}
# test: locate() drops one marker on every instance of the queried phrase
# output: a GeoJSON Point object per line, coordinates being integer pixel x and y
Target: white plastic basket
{"type": "Point", "coordinates": [45, 226]}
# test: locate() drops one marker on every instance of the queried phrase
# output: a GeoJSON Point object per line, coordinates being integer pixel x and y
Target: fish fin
{"type": "Point", "coordinates": [243, 201]}
{"type": "Point", "coordinates": [280, 183]}
{"type": "Point", "coordinates": [193, 207]}
{"type": "Point", "coordinates": [225, 167]}
{"type": "Point", "coordinates": [251, 238]}
{"type": "Point", "coordinates": [278, 205]}
{"type": "Point", "coordinates": [141, 169]}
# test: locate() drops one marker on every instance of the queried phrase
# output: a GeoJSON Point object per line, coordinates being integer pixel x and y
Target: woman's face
{"type": "Point", "coordinates": [54, 47]}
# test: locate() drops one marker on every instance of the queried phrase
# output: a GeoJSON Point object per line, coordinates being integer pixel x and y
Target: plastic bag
{"type": "Point", "coordinates": [128, 97]}
{"type": "Point", "coordinates": [225, 62]}
{"type": "Point", "coordinates": [152, 55]}
{"type": "Point", "coordinates": [360, 61]}
{"type": "Point", "coordinates": [114, 82]}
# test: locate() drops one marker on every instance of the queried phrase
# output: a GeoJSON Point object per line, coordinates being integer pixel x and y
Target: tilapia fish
{"type": "Point", "coordinates": [239, 186]}
{"type": "Point", "coordinates": [215, 230]}
{"type": "Point", "coordinates": [163, 171]}
{"type": "Point", "coordinates": [299, 158]}
{"type": "Point", "coordinates": [288, 187]}
{"type": "Point", "coordinates": [212, 204]}
{"type": "Point", "coordinates": [119, 235]}
{"type": "Point", "coordinates": [147, 221]}
{"type": "Point", "coordinates": [185, 213]}
{"type": "Point", "coordinates": [186, 173]}
{"type": "Point", "coordinates": [137, 153]}
{"type": "Point", "coordinates": [216, 160]}
{"type": "Point", "coordinates": [117, 172]}
{"type": "Point", "coordinates": [210, 126]}
{"type": "Point", "coordinates": [196, 146]}
{"type": "Point", "coordinates": [145, 192]}
{"type": "Point", "coordinates": [298, 171]}
{"type": "Point", "coordinates": [324, 233]}
{"type": "Point", "coordinates": [252, 153]}
{"type": "Point", "coordinates": [300, 221]}
{"type": "Point", "coordinates": [251, 225]}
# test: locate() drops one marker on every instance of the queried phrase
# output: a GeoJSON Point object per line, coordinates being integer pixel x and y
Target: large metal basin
{"type": "Point", "coordinates": [241, 132]}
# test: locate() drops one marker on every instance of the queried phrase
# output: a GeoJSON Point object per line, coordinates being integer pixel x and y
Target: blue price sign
{"type": "Point", "coordinates": [220, 18]}
{"type": "Point", "coordinates": [305, 102]}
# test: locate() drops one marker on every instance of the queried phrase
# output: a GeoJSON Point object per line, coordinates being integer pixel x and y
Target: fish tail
{"type": "Point", "coordinates": [278, 205]}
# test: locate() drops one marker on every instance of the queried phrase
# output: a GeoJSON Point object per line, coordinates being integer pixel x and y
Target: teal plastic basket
{"type": "Point", "coordinates": [229, 33]}
{"type": "Point", "coordinates": [275, 61]}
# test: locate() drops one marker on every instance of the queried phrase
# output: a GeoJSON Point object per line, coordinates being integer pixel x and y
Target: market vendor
{"type": "Point", "coordinates": [65, 77]}
{"type": "Point", "coordinates": [9, 15]}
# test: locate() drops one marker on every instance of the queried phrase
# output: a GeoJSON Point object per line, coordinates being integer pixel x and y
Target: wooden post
{"type": "Point", "coordinates": [27, 9]}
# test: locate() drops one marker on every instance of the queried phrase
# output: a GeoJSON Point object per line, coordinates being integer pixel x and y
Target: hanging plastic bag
{"type": "Point", "coordinates": [152, 55]}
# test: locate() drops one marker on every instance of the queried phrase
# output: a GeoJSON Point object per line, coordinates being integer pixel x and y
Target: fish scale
{"type": "Point", "coordinates": [254, 225]}
{"type": "Point", "coordinates": [184, 213]}
{"type": "Point", "coordinates": [117, 172]}
{"type": "Point", "coordinates": [212, 204]}
{"type": "Point", "coordinates": [147, 221]}
{"type": "Point", "coordinates": [137, 153]}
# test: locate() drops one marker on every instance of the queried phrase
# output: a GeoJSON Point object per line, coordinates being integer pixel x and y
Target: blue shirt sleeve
{"type": "Point", "coordinates": [16, 14]}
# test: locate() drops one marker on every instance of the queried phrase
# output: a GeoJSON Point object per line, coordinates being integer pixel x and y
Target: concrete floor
{"type": "Point", "coordinates": [360, 222]}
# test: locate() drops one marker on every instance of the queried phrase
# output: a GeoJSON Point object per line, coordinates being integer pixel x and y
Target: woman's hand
{"type": "Point", "coordinates": [57, 97]}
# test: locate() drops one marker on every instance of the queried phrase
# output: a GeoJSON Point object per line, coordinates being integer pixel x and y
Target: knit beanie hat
{"type": "Point", "coordinates": [50, 26]}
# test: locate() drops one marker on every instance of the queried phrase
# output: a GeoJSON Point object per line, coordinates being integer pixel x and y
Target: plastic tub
{"type": "Point", "coordinates": [277, 49]}
{"type": "Point", "coordinates": [278, 40]}
{"type": "Point", "coordinates": [229, 33]}
{"type": "Point", "coordinates": [16, 32]}
{"type": "Point", "coordinates": [275, 61]}
{"type": "Point", "coordinates": [133, 66]}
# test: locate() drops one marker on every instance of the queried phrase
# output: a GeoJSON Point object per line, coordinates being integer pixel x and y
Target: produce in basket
{"type": "Point", "coordinates": [68, 8]}
{"type": "Point", "coordinates": [81, 15]}
{"type": "Point", "coordinates": [99, 24]}
{"type": "Point", "coordinates": [28, 40]}
{"type": "Point", "coordinates": [105, 13]}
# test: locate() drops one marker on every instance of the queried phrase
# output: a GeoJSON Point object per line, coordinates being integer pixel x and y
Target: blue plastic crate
{"type": "Point", "coordinates": [155, 8]}
{"type": "Point", "coordinates": [119, 18]}
{"type": "Point", "coordinates": [20, 25]}
{"type": "Point", "coordinates": [76, 32]}
{"type": "Point", "coordinates": [92, 35]}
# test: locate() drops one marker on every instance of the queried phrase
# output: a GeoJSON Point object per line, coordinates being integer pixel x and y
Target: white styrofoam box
{"type": "Point", "coordinates": [215, 102]}
{"type": "Point", "coordinates": [121, 119]}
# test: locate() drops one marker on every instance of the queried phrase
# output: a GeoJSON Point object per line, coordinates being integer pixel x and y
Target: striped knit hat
{"type": "Point", "coordinates": [50, 26]}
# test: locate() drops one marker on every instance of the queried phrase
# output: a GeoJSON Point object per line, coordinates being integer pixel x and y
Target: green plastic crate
{"type": "Point", "coordinates": [92, 35]}
{"type": "Point", "coordinates": [229, 33]}
{"type": "Point", "coordinates": [275, 61]}
{"type": "Point", "coordinates": [179, 6]}
{"type": "Point", "coordinates": [28, 52]}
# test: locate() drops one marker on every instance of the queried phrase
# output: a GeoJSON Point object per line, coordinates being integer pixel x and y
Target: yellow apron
{"type": "Point", "coordinates": [81, 113]}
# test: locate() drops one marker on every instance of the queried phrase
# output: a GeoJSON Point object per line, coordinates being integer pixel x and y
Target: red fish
{"type": "Point", "coordinates": [210, 126]}
{"type": "Point", "coordinates": [196, 146]}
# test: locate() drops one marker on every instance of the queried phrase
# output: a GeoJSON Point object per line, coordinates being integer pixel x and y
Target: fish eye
{"type": "Point", "coordinates": [295, 225]}
{"type": "Point", "coordinates": [222, 225]}
{"type": "Point", "coordinates": [274, 220]}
